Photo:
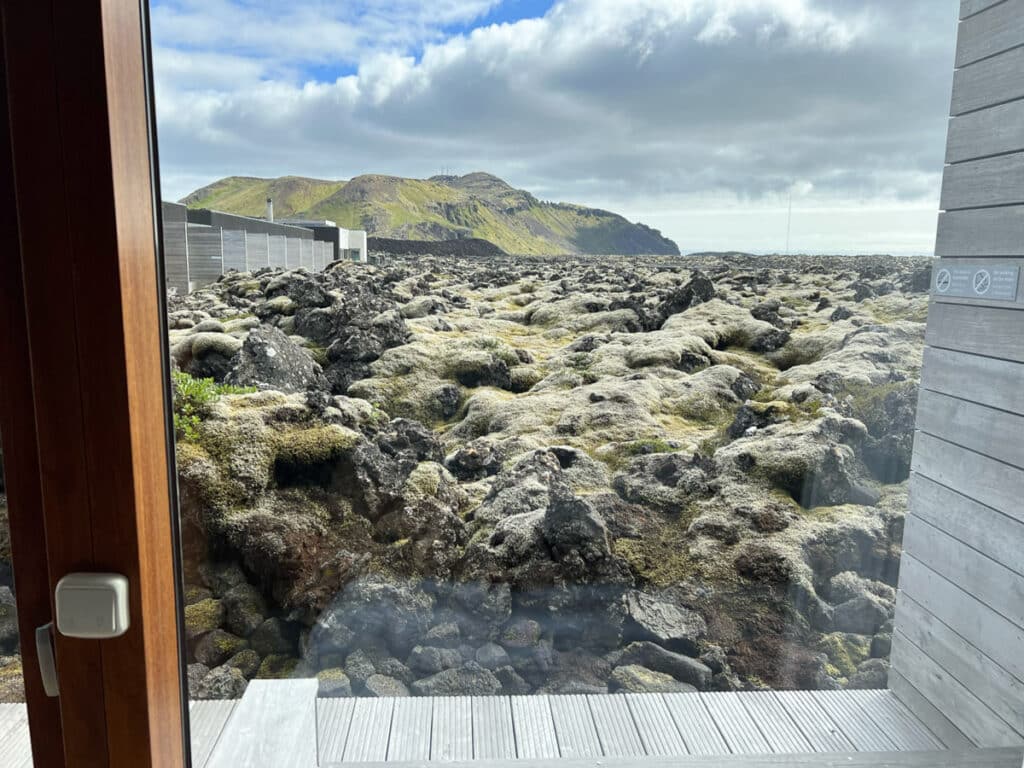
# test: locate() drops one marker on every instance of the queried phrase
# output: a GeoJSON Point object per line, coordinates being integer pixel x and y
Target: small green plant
{"type": "Point", "coordinates": [192, 400]}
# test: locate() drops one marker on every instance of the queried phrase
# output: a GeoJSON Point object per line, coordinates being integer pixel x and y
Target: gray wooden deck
{"type": "Point", "coordinates": [283, 724]}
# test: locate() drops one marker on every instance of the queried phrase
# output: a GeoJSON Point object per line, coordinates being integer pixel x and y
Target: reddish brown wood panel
{"type": "Point", "coordinates": [18, 430]}
{"type": "Point", "coordinates": [83, 179]}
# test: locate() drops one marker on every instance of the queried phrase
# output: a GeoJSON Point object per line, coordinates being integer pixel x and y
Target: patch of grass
{"type": "Point", "coordinates": [192, 401]}
{"type": "Point", "coordinates": [664, 559]}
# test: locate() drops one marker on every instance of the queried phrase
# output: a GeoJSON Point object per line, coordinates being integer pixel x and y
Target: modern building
{"type": "Point", "coordinates": [200, 245]}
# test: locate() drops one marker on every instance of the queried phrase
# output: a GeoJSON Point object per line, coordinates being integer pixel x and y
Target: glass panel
{"type": "Point", "coordinates": [440, 438]}
{"type": "Point", "coordinates": [12, 684]}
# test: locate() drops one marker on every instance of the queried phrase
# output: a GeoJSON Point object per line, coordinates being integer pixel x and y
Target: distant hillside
{"type": "Point", "coordinates": [440, 208]}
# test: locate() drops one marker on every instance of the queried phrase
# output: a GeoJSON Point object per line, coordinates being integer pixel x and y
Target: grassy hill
{"type": "Point", "coordinates": [439, 208]}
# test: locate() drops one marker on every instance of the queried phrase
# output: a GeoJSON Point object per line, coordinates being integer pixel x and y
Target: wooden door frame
{"type": "Point", "coordinates": [79, 98]}
{"type": "Point", "coordinates": [21, 462]}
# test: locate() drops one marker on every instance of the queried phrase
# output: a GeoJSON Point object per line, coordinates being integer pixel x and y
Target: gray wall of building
{"type": "Point", "coordinates": [200, 246]}
{"type": "Point", "coordinates": [958, 646]}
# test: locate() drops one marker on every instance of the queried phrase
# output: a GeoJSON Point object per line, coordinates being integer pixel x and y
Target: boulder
{"type": "Point", "coordinates": [654, 657]}
{"type": "Point", "coordinates": [512, 684]}
{"type": "Point", "coordinates": [663, 622]}
{"type": "Point", "coordinates": [216, 647]}
{"type": "Point", "coordinates": [521, 633]}
{"type": "Point", "coordinates": [271, 360]}
{"type": "Point", "coordinates": [860, 616]}
{"type": "Point", "coordinates": [429, 660]}
{"type": "Point", "coordinates": [245, 609]}
{"type": "Point", "coordinates": [359, 668]}
{"type": "Point", "coordinates": [873, 673]}
{"type": "Point", "coordinates": [246, 661]}
{"type": "Point", "coordinates": [492, 656]}
{"type": "Point", "coordinates": [221, 683]}
{"type": "Point", "coordinates": [470, 680]}
{"type": "Point", "coordinates": [333, 684]}
{"type": "Point", "coordinates": [636, 679]}
{"type": "Point", "coordinates": [382, 686]}
{"type": "Point", "coordinates": [275, 636]}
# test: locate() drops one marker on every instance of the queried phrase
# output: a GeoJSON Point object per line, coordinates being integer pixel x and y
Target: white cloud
{"type": "Point", "coordinates": [634, 104]}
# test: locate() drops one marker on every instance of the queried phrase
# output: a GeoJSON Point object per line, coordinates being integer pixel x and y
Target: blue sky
{"type": "Point", "coordinates": [699, 117]}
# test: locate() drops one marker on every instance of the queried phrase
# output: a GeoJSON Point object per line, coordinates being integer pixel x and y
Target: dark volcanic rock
{"type": "Point", "coordinates": [654, 657]}
{"type": "Point", "coordinates": [663, 622]}
{"type": "Point", "coordinates": [270, 360]}
{"type": "Point", "coordinates": [470, 680]}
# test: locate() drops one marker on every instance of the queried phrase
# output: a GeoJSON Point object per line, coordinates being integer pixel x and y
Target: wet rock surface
{"type": "Point", "coordinates": [517, 475]}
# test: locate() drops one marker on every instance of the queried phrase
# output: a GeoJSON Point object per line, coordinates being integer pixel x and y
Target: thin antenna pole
{"type": "Point", "coordinates": [789, 221]}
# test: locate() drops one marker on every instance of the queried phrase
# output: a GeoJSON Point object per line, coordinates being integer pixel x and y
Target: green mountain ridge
{"type": "Point", "coordinates": [439, 208]}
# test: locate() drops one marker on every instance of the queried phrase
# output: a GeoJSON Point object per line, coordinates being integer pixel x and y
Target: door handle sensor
{"type": "Point", "coordinates": [92, 606]}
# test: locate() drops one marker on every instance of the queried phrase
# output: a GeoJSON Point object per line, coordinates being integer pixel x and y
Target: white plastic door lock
{"type": "Point", "coordinates": [92, 606]}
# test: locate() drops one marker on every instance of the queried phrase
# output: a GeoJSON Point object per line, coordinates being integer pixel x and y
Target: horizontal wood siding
{"type": "Point", "coordinates": [981, 232]}
{"type": "Point", "coordinates": [977, 330]}
{"type": "Point", "coordinates": [984, 183]}
{"type": "Point", "coordinates": [998, 29]}
{"type": "Point", "coordinates": [971, 7]}
{"type": "Point", "coordinates": [257, 250]}
{"type": "Point", "coordinates": [205, 255]}
{"type": "Point", "coordinates": [957, 374]}
{"type": "Point", "coordinates": [958, 645]}
{"type": "Point", "coordinates": [234, 250]}
{"type": "Point", "coordinates": [278, 251]}
{"type": "Point", "coordinates": [175, 250]}
{"type": "Point", "coordinates": [988, 82]}
{"type": "Point", "coordinates": [292, 252]}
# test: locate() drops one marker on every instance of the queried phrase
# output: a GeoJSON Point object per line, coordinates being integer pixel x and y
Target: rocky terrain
{"type": "Point", "coordinates": [439, 209]}
{"type": "Point", "coordinates": [516, 475]}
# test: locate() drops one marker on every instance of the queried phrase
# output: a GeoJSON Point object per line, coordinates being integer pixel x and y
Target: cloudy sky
{"type": "Point", "coordinates": [703, 118]}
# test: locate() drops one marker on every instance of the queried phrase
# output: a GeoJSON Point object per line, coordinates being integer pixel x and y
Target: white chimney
{"type": "Point", "coordinates": [270, 209]}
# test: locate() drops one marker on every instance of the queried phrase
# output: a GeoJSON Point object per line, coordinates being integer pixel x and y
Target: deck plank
{"type": "Point", "coordinates": [695, 724]}
{"type": "Point", "coordinates": [616, 730]}
{"type": "Point", "coordinates": [737, 726]}
{"type": "Point", "coordinates": [411, 724]}
{"type": "Point", "coordinates": [370, 731]}
{"type": "Point", "coordinates": [997, 758]}
{"type": "Point", "coordinates": [12, 716]}
{"type": "Point", "coordinates": [574, 727]}
{"type": "Point", "coordinates": [814, 722]}
{"type": "Point", "coordinates": [493, 734]}
{"type": "Point", "coordinates": [905, 730]}
{"type": "Point", "coordinates": [534, 728]}
{"type": "Point", "coordinates": [333, 718]}
{"type": "Point", "coordinates": [657, 729]}
{"type": "Point", "coordinates": [855, 722]}
{"type": "Point", "coordinates": [207, 720]}
{"type": "Point", "coordinates": [451, 733]}
{"type": "Point", "coordinates": [273, 724]}
{"type": "Point", "coordinates": [775, 723]}
{"type": "Point", "coordinates": [15, 746]}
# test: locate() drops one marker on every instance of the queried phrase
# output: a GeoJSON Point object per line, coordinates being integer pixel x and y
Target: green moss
{"type": "Point", "coordinates": [202, 617]}
{"type": "Point", "coordinates": [845, 652]}
{"type": "Point", "coordinates": [192, 399]}
{"type": "Point", "coordinates": [316, 445]}
{"type": "Point", "coordinates": [662, 559]}
{"type": "Point", "coordinates": [277, 667]}
{"type": "Point", "coordinates": [12, 681]}
{"type": "Point", "coordinates": [318, 353]}
{"type": "Point", "coordinates": [229, 645]}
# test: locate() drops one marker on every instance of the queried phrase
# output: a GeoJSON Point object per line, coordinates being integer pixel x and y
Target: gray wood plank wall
{"type": "Point", "coordinates": [958, 648]}
{"type": "Point", "coordinates": [217, 250]}
{"type": "Point", "coordinates": [257, 250]}
{"type": "Point", "coordinates": [175, 225]}
{"type": "Point", "coordinates": [205, 255]}
{"type": "Point", "coordinates": [234, 250]}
